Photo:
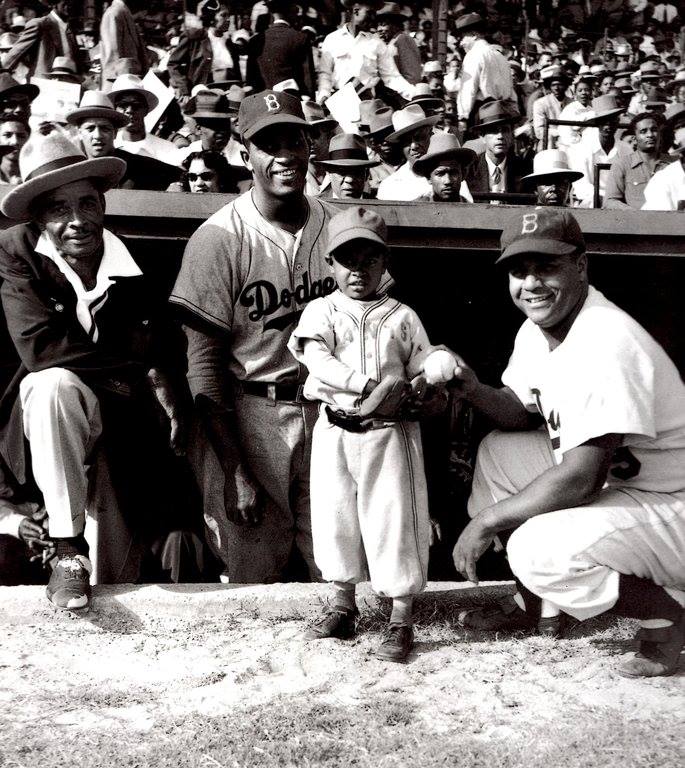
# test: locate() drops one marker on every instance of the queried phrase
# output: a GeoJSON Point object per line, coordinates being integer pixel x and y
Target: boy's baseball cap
{"type": "Point", "coordinates": [268, 108]}
{"type": "Point", "coordinates": [543, 231]}
{"type": "Point", "coordinates": [355, 223]}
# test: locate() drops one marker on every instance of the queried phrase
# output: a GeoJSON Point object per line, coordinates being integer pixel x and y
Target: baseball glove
{"type": "Point", "coordinates": [386, 398]}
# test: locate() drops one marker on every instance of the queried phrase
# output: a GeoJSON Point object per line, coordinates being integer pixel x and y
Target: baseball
{"type": "Point", "coordinates": [439, 367]}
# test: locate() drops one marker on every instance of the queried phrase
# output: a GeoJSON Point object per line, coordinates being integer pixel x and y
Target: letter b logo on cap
{"type": "Point", "coordinates": [529, 223]}
{"type": "Point", "coordinates": [272, 103]}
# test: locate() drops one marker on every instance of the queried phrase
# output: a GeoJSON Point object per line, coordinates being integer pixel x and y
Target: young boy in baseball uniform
{"type": "Point", "coordinates": [368, 488]}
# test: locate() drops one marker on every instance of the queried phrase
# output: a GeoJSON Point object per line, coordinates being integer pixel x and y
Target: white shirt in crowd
{"type": "Point", "coordinates": [485, 73]}
{"type": "Point", "coordinates": [345, 56]}
{"type": "Point", "coordinates": [665, 189]}
{"type": "Point", "coordinates": [583, 157]}
{"type": "Point", "coordinates": [153, 146]}
{"type": "Point", "coordinates": [570, 134]}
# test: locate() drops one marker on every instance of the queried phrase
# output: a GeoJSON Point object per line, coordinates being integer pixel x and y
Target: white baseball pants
{"type": "Point", "coordinates": [370, 507]}
{"type": "Point", "coordinates": [573, 557]}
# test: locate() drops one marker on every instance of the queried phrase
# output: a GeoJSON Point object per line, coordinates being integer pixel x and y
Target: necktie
{"type": "Point", "coordinates": [497, 175]}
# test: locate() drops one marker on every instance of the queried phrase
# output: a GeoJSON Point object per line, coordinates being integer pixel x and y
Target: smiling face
{"type": "Point", "coordinates": [358, 266]}
{"type": "Point", "coordinates": [97, 136]}
{"type": "Point", "coordinates": [583, 93]}
{"type": "Point", "coordinates": [278, 157]}
{"type": "Point", "coordinates": [549, 290]}
{"type": "Point", "coordinates": [72, 216]}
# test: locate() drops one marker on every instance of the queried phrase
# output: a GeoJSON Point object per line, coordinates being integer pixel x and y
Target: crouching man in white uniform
{"type": "Point", "coordinates": [597, 499]}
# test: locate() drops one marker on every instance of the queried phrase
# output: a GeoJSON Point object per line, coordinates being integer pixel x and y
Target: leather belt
{"type": "Point", "coordinates": [356, 423]}
{"type": "Point", "coordinates": [288, 392]}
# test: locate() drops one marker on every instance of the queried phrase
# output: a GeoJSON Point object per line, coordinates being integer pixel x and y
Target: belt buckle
{"type": "Point", "coordinates": [271, 394]}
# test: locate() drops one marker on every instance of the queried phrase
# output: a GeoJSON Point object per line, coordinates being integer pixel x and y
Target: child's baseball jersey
{"type": "Point", "coordinates": [608, 376]}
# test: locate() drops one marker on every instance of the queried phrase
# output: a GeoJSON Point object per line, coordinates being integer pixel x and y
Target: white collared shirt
{"type": "Point", "coordinates": [116, 262]}
{"type": "Point", "coordinates": [501, 185]}
{"type": "Point", "coordinates": [155, 147]}
{"type": "Point", "coordinates": [665, 189]}
{"type": "Point", "coordinates": [221, 56]}
{"type": "Point", "coordinates": [345, 56]}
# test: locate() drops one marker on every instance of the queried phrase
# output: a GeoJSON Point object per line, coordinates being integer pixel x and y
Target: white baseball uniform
{"type": "Point", "coordinates": [608, 376]}
{"type": "Point", "coordinates": [368, 490]}
{"type": "Point", "coordinates": [249, 280]}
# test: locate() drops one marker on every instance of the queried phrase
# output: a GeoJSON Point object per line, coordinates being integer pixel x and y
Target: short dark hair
{"type": "Point", "coordinates": [215, 162]}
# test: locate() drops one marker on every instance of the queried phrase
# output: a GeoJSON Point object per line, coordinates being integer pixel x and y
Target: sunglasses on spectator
{"type": "Point", "coordinates": [205, 176]}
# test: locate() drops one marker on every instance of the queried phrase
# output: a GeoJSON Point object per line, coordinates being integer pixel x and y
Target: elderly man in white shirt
{"type": "Point", "coordinates": [666, 189]}
{"type": "Point", "coordinates": [354, 52]}
{"type": "Point", "coordinates": [485, 73]}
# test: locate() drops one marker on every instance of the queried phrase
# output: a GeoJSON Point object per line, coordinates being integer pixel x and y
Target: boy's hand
{"type": "Point", "coordinates": [424, 401]}
{"type": "Point", "coordinates": [386, 398]}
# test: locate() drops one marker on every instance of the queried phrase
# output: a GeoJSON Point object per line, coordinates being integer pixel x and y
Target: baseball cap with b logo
{"type": "Point", "coordinates": [541, 231]}
{"type": "Point", "coordinates": [268, 108]}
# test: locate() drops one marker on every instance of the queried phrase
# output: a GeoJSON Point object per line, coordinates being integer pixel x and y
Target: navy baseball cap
{"type": "Point", "coordinates": [268, 108]}
{"type": "Point", "coordinates": [544, 231]}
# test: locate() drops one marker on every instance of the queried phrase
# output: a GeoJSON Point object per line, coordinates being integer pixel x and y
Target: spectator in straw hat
{"type": "Point", "coordinates": [630, 173]}
{"type": "Point", "coordinates": [412, 132]}
{"type": "Point", "coordinates": [97, 122]}
{"type": "Point", "coordinates": [648, 76]}
{"type": "Point", "coordinates": [497, 168]}
{"type": "Point", "coordinates": [597, 145]}
{"type": "Point", "coordinates": [403, 48]}
{"type": "Point", "coordinates": [665, 191]}
{"type": "Point", "coordinates": [133, 100]}
{"type": "Point", "coordinates": [348, 166]}
{"type": "Point", "coordinates": [353, 52]}
{"type": "Point", "coordinates": [64, 70]}
{"type": "Point", "coordinates": [555, 81]}
{"type": "Point", "coordinates": [375, 131]}
{"type": "Point", "coordinates": [445, 165]}
{"type": "Point", "coordinates": [551, 178]}
{"type": "Point", "coordinates": [120, 39]}
{"type": "Point", "coordinates": [94, 363]}
{"type": "Point", "coordinates": [323, 127]}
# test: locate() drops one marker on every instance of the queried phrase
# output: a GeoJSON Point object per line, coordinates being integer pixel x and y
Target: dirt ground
{"type": "Point", "coordinates": [220, 676]}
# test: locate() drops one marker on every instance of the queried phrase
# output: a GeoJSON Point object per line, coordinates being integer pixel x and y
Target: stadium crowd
{"type": "Point", "coordinates": [505, 112]}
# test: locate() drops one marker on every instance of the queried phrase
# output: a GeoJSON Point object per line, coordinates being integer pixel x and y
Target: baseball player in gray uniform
{"type": "Point", "coordinates": [246, 275]}
{"type": "Point", "coordinates": [368, 488]}
{"type": "Point", "coordinates": [597, 498]}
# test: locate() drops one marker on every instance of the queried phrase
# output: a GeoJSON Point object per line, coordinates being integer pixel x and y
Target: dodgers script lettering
{"type": "Point", "coordinates": [266, 298]}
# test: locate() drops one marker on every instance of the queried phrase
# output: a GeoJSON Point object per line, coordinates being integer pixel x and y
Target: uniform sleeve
{"type": "Point", "coordinates": [313, 344]}
{"type": "Point", "coordinates": [420, 348]}
{"type": "Point", "coordinates": [207, 283]}
{"type": "Point", "coordinates": [517, 373]}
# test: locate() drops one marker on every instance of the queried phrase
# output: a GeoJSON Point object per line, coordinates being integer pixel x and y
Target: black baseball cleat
{"type": "Point", "coordinates": [398, 640]}
{"type": "Point", "coordinates": [69, 585]}
{"type": "Point", "coordinates": [334, 621]}
{"type": "Point", "coordinates": [659, 651]}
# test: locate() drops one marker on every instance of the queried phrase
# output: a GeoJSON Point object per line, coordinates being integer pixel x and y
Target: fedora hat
{"type": "Point", "coordinates": [379, 123]}
{"type": "Point", "coordinates": [550, 164]}
{"type": "Point", "coordinates": [624, 85]}
{"type": "Point", "coordinates": [605, 107]}
{"type": "Point", "coordinates": [409, 119]}
{"type": "Point", "coordinates": [443, 146]}
{"type": "Point", "coordinates": [586, 74]}
{"type": "Point", "coordinates": [316, 117]}
{"type": "Point", "coordinates": [656, 97]}
{"type": "Point", "coordinates": [424, 97]}
{"type": "Point", "coordinates": [211, 107]}
{"type": "Point", "coordinates": [223, 85]}
{"type": "Point", "coordinates": [63, 68]}
{"type": "Point", "coordinates": [234, 95]}
{"type": "Point", "coordinates": [678, 80]}
{"type": "Point", "coordinates": [48, 162]}
{"type": "Point", "coordinates": [127, 84]}
{"type": "Point", "coordinates": [649, 70]}
{"type": "Point", "coordinates": [675, 115]}
{"type": "Point", "coordinates": [368, 107]}
{"type": "Point", "coordinates": [98, 105]}
{"type": "Point", "coordinates": [8, 86]}
{"type": "Point", "coordinates": [346, 150]}
{"type": "Point", "coordinates": [495, 112]}
{"type": "Point", "coordinates": [468, 21]}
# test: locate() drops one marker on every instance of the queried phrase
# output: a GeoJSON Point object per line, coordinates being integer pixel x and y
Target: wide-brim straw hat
{"type": "Point", "coordinates": [409, 119]}
{"type": "Point", "coordinates": [554, 72]}
{"type": "Point", "coordinates": [605, 108]}
{"type": "Point", "coordinates": [48, 162]}
{"type": "Point", "coordinates": [550, 164]}
{"type": "Point", "coordinates": [346, 150]}
{"type": "Point", "coordinates": [425, 98]}
{"type": "Point", "coordinates": [63, 68]}
{"type": "Point", "coordinates": [443, 146]}
{"type": "Point", "coordinates": [96, 104]}
{"type": "Point", "coordinates": [128, 83]}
